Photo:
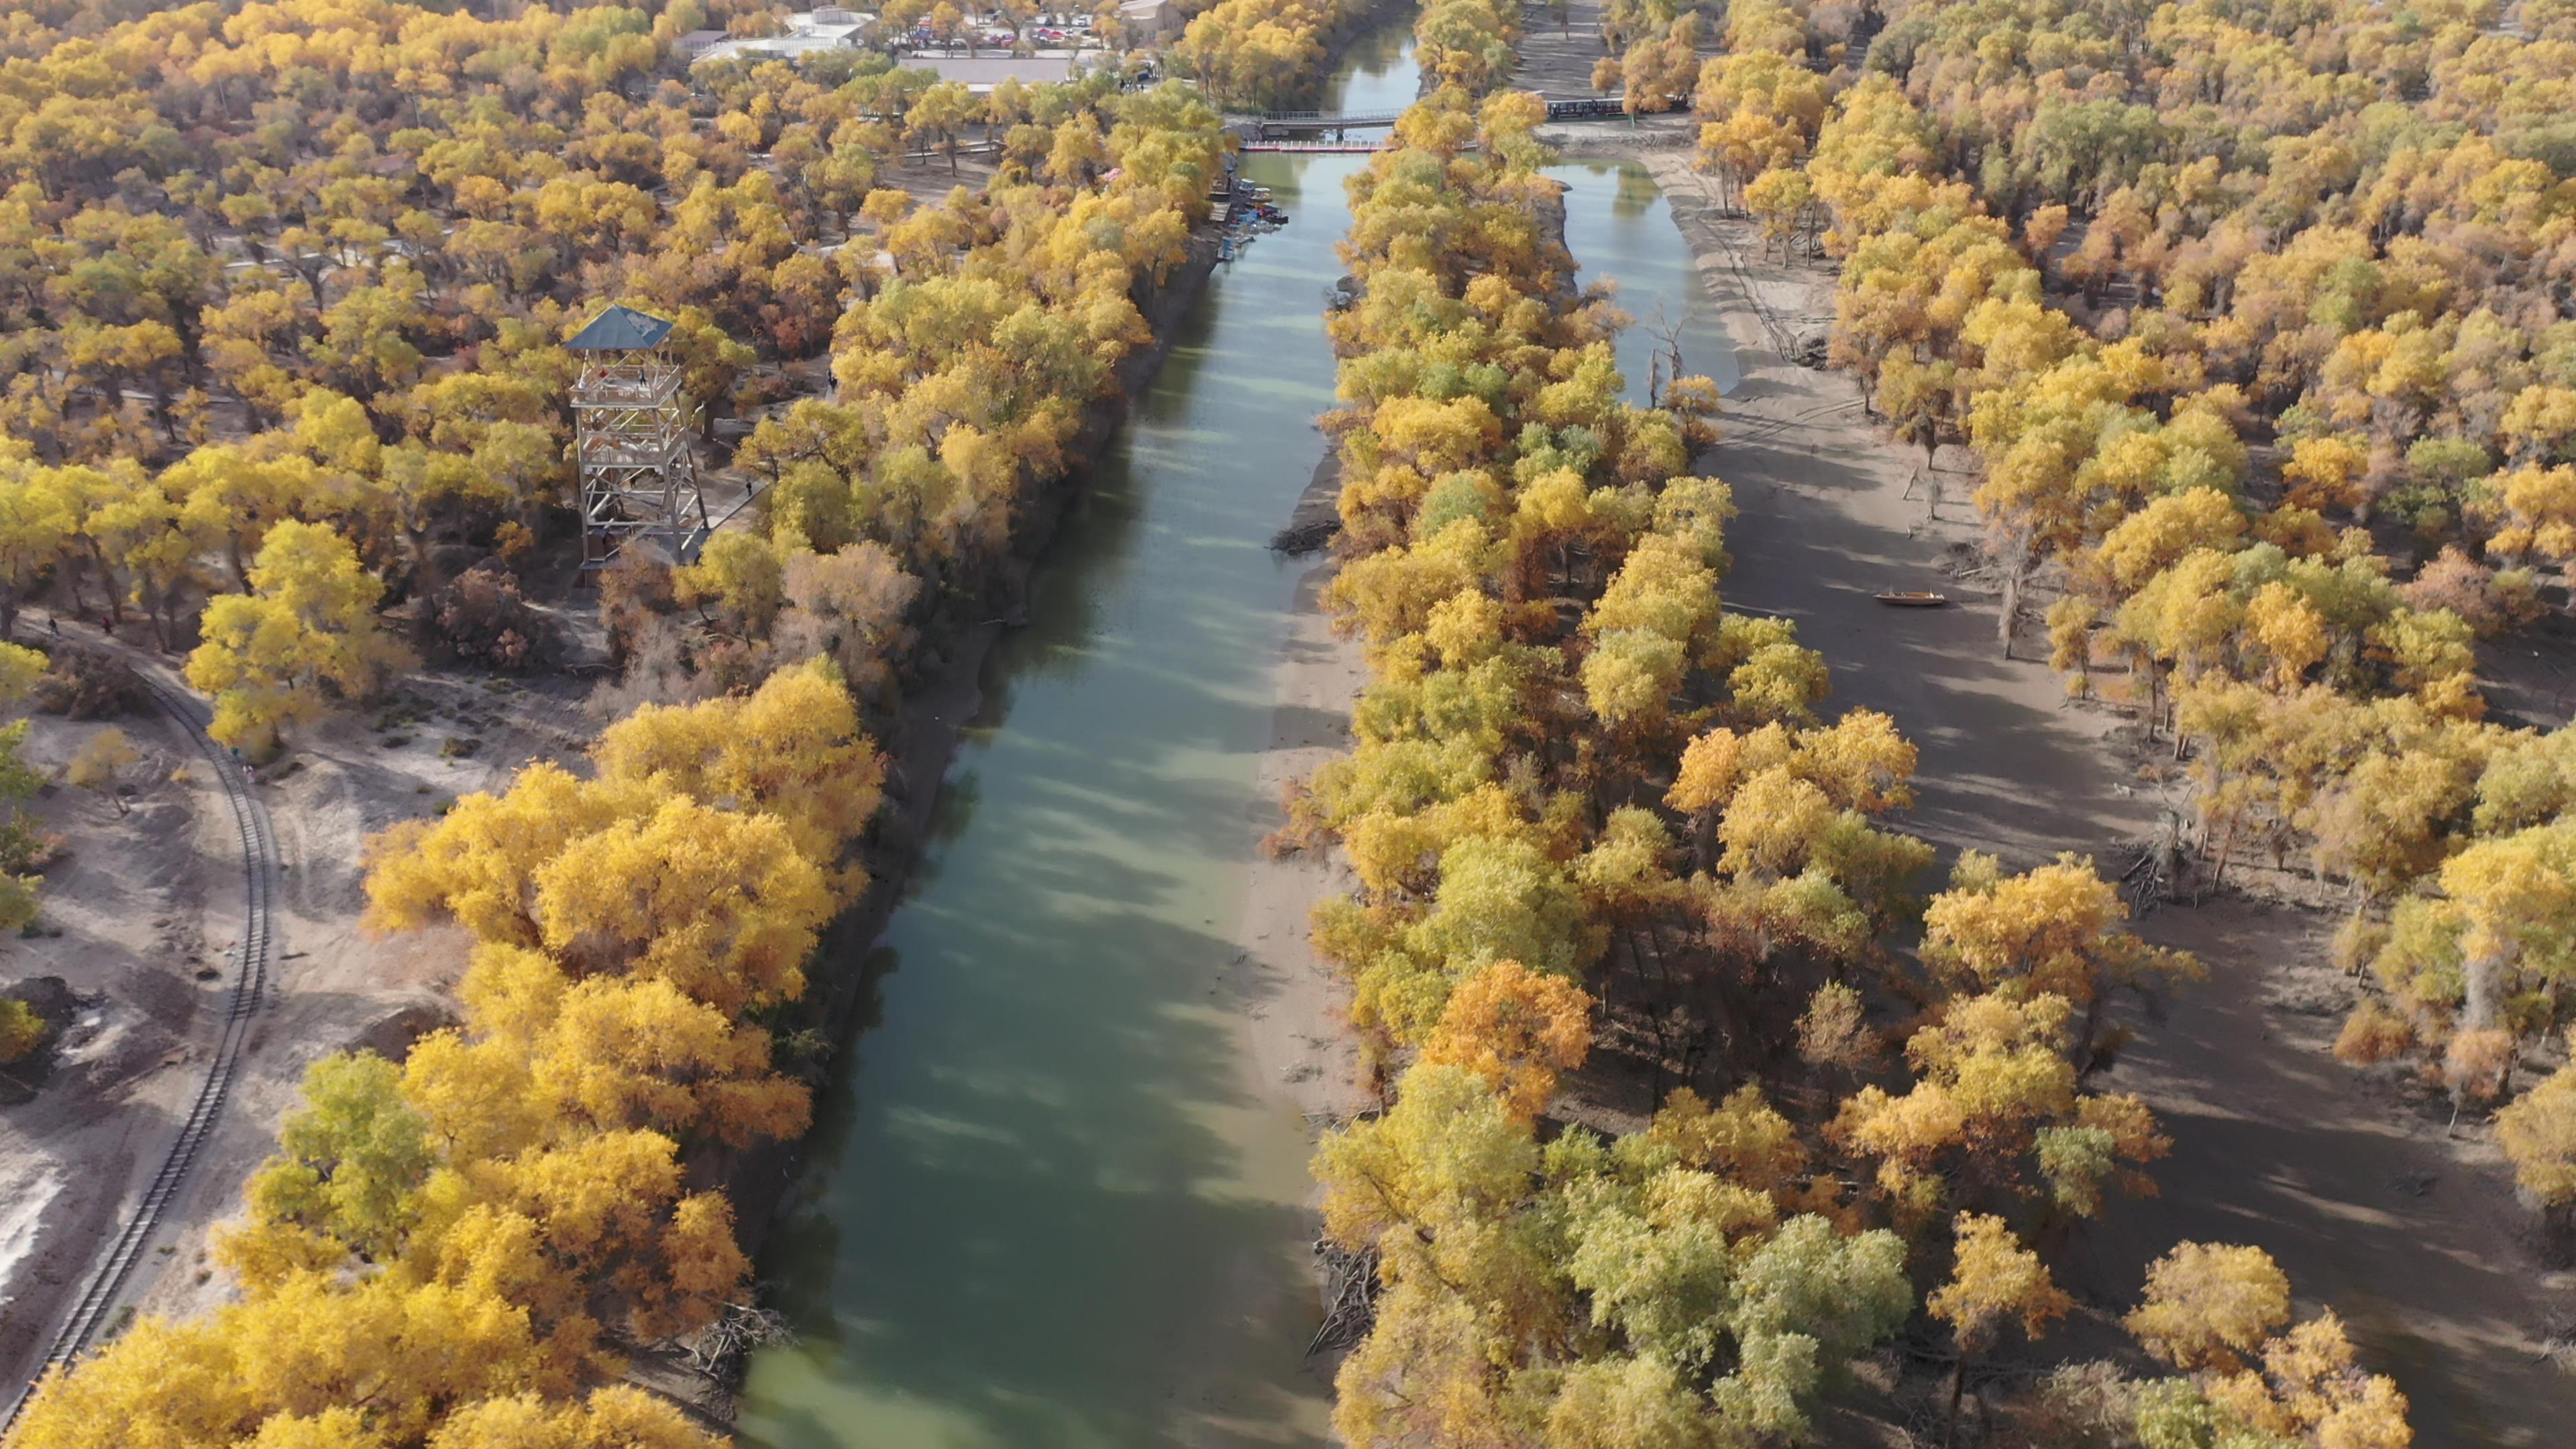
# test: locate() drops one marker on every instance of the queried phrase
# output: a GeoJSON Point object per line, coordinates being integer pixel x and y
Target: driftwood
{"type": "Point", "coordinates": [726, 1345]}
{"type": "Point", "coordinates": [1350, 1295]}
{"type": "Point", "coordinates": [2149, 879]}
{"type": "Point", "coordinates": [1300, 539]}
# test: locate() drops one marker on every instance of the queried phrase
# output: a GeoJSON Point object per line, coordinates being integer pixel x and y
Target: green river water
{"type": "Point", "coordinates": [1045, 1206]}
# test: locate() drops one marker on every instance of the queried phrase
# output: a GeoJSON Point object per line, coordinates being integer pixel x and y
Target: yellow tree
{"type": "Point", "coordinates": [1784, 201]}
{"type": "Point", "coordinates": [2216, 1312]}
{"type": "Point", "coordinates": [1517, 1029]}
{"type": "Point", "coordinates": [791, 750]}
{"type": "Point", "coordinates": [740, 577]}
{"type": "Point", "coordinates": [1993, 1280]}
{"type": "Point", "coordinates": [477, 864]}
{"type": "Point", "coordinates": [20, 844]}
{"type": "Point", "coordinates": [2515, 894]}
{"type": "Point", "coordinates": [2533, 511]}
{"type": "Point", "coordinates": [597, 1235]}
{"type": "Point", "coordinates": [99, 766]}
{"type": "Point", "coordinates": [2210, 1306]}
{"type": "Point", "coordinates": [721, 905]}
{"type": "Point", "coordinates": [615, 1417]}
{"type": "Point", "coordinates": [306, 634]}
{"type": "Point", "coordinates": [1996, 1107]}
{"type": "Point", "coordinates": [2538, 1134]}
{"type": "Point", "coordinates": [22, 1030]}
{"type": "Point", "coordinates": [302, 1357]}
{"type": "Point", "coordinates": [628, 1054]}
{"type": "Point", "coordinates": [37, 524]}
{"type": "Point", "coordinates": [2325, 471]}
{"type": "Point", "coordinates": [2058, 930]}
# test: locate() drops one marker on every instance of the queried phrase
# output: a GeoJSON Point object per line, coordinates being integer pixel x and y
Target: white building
{"type": "Point", "coordinates": [1149, 22]}
{"type": "Point", "coordinates": [808, 34]}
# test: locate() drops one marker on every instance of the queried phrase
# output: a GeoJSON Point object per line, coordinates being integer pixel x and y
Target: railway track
{"type": "Point", "coordinates": [250, 960]}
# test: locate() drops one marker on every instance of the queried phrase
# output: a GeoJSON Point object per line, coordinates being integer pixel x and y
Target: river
{"type": "Point", "coordinates": [1046, 1204]}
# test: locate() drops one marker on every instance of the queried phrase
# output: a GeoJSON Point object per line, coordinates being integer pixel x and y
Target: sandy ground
{"type": "Point", "coordinates": [136, 908]}
{"type": "Point", "coordinates": [1832, 514]}
{"type": "Point", "coordinates": [2351, 1183]}
{"type": "Point", "coordinates": [147, 906]}
{"type": "Point", "coordinates": [1556, 57]}
{"type": "Point", "coordinates": [1295, 1043]}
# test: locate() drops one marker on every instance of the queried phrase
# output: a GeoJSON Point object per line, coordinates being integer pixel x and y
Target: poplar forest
{"type": "Point", "coordinates": [1699, 1072]}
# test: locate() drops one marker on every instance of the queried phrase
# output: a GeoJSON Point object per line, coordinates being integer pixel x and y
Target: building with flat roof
{"type": "Point", "coordinates": [811, 33]}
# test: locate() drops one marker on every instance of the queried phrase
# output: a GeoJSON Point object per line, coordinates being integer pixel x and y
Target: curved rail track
{"type": "Point", "coordinates": [242, 1001]}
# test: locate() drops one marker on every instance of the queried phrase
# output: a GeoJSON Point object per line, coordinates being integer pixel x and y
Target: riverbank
{"type": "Point", "coordinates": [1296, 1037]}
{"type": "Point", "coordinates": [2406, 1229]}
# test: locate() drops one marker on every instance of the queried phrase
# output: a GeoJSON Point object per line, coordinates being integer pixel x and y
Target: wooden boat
{"type": "Point", "coordinates": [1913, 599]}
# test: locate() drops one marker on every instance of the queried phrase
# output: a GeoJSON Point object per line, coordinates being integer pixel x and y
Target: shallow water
{"type": "Point", "coordinates": [1620, 228]}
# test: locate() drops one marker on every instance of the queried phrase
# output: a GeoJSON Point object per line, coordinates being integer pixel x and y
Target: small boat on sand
{"type": "Point", "coordinates": [1913, 599]}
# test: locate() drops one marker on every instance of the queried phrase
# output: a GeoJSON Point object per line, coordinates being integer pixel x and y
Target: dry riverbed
{"type": "Point", "coordinates": [2407, 1229]}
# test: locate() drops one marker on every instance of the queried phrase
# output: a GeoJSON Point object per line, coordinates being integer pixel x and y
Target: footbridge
{"type": "Point", "coordinates": [1285, 125]}
{"type": "Point", "coordinates": [1333, 128]}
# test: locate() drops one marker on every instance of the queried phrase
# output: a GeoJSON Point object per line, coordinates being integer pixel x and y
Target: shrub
{"type": "Point", "coordinates": [480, 617]}
{"type": "Point", "coordinates": [85, 683]}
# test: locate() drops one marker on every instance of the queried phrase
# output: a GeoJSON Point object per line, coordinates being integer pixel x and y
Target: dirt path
{"type": "Point", "coordinates": [2411, 1235]}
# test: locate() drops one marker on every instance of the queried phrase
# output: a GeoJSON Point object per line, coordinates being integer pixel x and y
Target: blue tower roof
{"type": "Point", "coordinates": [620, 329]}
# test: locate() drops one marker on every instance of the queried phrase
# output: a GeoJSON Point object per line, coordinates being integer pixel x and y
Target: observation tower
{"type": "Point", "coordinates": [638, 477]}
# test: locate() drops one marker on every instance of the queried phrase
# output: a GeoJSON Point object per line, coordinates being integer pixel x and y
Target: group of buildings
{"type": "Point", "coordinates": [830, 29]}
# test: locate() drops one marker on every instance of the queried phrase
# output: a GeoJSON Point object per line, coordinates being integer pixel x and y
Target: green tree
{"type": "Point", "coordinates": [350, 1159]}
{"type": "Point", "coordinates": [21, 846]}
{"type": "Point", "coordinates": [22, 1031]}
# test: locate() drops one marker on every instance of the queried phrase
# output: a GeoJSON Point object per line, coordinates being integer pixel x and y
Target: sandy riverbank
{"type": "Point", "coordinates": [1295, 1041]}
{"type": "Point", "coordinates": [1288, 1006]}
